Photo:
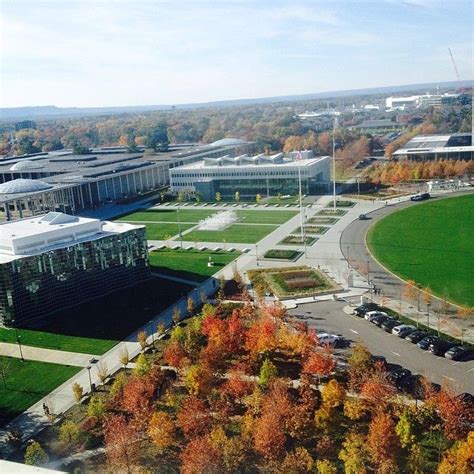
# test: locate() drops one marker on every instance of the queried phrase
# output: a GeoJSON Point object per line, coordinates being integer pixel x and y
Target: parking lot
{"type": "Point", "coordinates": [328, 316]}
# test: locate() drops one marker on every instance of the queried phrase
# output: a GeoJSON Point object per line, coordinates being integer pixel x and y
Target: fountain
{"type": "Point", "coordinates": [218, 221]}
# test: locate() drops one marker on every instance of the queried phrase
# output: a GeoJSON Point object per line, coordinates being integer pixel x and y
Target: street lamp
{"type": "Point", "coordinates": [428, 308]}
{"type": "Point", "coordinates": [18, 340]}
{"type": "Point", "coordinates": [89, 372]}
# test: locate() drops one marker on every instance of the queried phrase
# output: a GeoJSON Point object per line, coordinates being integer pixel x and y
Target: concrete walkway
{"type": "Point", "coordinates": [45, 355]}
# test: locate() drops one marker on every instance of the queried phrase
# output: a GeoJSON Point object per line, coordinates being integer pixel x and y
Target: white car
{"type": "Point", "coordinates": [370, 315]}
{"type": "Point", "coordinates": [403, 330]}
{"type": "Point", "coordinates": [326, 339]}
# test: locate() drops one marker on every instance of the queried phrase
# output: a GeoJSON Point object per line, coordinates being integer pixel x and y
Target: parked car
{"type": "Point", "coordinates": [379, 360]}
{"type": "Point", "coordinates": [378, 320]}
{"type": "Point", "coordinates": [363, 217]}
{"type": "Point", "coordinates": [420, 197]}
{"type": "Point", "coordinates": [363, 308]}
{"type": "Point", "coordinates": [439, 347]}
{"type": "Point", "coordinates": [416, 336]}
{"type": "Point", "coordinates": [426, 341]}
{"type": "Point", "coordinates": [326, 339]}
{"type": "Point", "coordinates": [466, 398]}
{"type": "Point", "coordinates": [416, 385]}
{"type": "Point", "coordinates": [370, 315]}
{"type": "Point", "coordinates": [403, 330]}
{"type": "Point", "coordinates": [397, 376]}
{"type": "Point", "coordinates": [390, 324]}
{"type": "Point", "coordinates": [456, 353]}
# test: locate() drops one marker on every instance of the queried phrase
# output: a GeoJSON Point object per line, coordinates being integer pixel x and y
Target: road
{"type": "Point", "coordinates": [328, 316]}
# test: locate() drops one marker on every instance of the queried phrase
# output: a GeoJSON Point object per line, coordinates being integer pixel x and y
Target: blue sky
{"type": "Point", "coordinates": [124, 52]}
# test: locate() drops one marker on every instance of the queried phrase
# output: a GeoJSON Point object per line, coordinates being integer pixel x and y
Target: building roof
{"type": "Point", "coordinates": [455, 143]}
{"type": "Point", "coordinates": [51, 231]}
{"type": "Point", "coordinates": [20, 185]}
{"type": "Point", "coordinates": [229, 141]}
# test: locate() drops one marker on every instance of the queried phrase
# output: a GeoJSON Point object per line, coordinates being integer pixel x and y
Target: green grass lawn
{"type": "Point", "coordinates": [432, 244]}
{"type": "Point", "coordinates": [60, 342]}
{"type": "Point", "coordinates": [237, 233]}
{"type": "Point", "coordinates": [189, 264]}
{"type": "Point", "coordinates": [162, 231]}
{"type": "Point", "coordinates": [27, 382]}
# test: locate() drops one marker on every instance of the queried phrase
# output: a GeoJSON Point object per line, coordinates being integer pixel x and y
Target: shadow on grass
{"type": "Point", "coordinates": [117, 314]}
{"type": "Point", "coordinates": [197, 277]}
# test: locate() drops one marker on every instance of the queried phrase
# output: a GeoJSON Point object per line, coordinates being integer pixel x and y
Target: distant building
{"type": "Point", "coordinates": [54, 261]}
{"type": "Point", "coordinates": [252, 175]}
{"type": "Point", "coordinates": [379, 125]}
{"type": "Point", "coordinates": [25, 124]}
{"type": "Point", "coordinates": [457, 146]}
{"type": "Point", "coordinates": [425, 100]}
{"type": "Point", "coordinates": [63, 182]}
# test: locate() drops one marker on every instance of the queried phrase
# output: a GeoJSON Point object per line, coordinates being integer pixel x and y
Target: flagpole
{"type": "Point", "coordinates": [334, 163]}
{"type": "Point", "coordinates": [301, 203]}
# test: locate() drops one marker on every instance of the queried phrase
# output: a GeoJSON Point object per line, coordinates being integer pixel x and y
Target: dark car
{"type": "Point", "coordinates": [456, 353]}
{"type": "Point", "coordinates": [380, 360]}
{"type": "Point", "coordinates": [397, 376]}
{"type": "Point", "coordinates": [363, 308]}
{"type": "Point", "coordinates": [389, 324]}
{"type": "Point", "coordinates": [380, 319]}
{"type": "Point", "coordinates": [426, 341]}
{"type": "Point", "coordinates": [439, 347]}
{"type": "Point", "coordinates": [420, 197]}
{"type": "Point", "coordinates": [416, 336]}
{"type": "Point", "coordinates": [466, 398]}
{"type": "Point", "coordinates": [416, 385]}
{"type": "Point", "coordinates": [363, 217]}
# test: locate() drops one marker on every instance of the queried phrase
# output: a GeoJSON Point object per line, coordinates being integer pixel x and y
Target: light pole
{"type": "Point", "coordinates": [89, 372]}
{"type": "Point", "coordinates": [256, 253]}
{"type": "Point", "coordinates": [179, 229]}
{"type": "Point", "coordinates": [18, 340]}
{"type": "Point", "coordinates": [152, 336]}
{"type": "Point", "coordinates": [428, 308]}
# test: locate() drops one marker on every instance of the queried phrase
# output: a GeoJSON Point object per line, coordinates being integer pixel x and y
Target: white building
{"type": "Point", "coordinates": [251, 175]}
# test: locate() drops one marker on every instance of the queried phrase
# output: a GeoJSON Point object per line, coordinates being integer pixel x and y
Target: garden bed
{"type": "Point", "coordinates": [296, 240]}
{"type": "Point", "coordinates": [331, 212]}
{"type": "Point", "coordinates": [312, 229]}
{"type": "Point", "coordinates": [292, 282]}
{"type": "Point", "coordinates": [282, 254]}
{"type": "Point", "coordinates": [322, 220]}
{"type": "Point", "coordinates": [345, 204]}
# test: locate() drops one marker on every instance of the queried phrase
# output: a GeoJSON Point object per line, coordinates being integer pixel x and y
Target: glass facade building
{"type": "Point", "coordinates": [34, 286]}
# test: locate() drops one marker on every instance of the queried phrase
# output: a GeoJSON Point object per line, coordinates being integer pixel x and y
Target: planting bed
{"type": "Point", "coordinates": [322, 220]}
{"type": "Point", "coordinates": [331, 212]}
{"type": "Point", "coordinates": [282, 254]}
{"type": "Point", "coordinates": [312, 229]}
{"type": "Point", "coordinates": [292, 282]}
{"type": "Point", "coordinates": [296, 240]}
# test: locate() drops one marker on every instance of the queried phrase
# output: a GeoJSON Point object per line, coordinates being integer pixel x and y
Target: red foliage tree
{"type": "Point", "coordinates": [120, 440]}
{"type": "Point", "coordinates": [200, 456]}
{"type": "Point", "coordinates": [194, 417]}
{"type": "Point", "coordinates": [383, 443]}
{"type": "Point", "coordinates": [269, 437]}
{"type": "Point", "coordinates": [137, 398]}
{"type": "Point", "coordinates": [175, 355]}
{"type": "Point", "coordinates": [320, 363]}
{"type": "Point", "coordinates": [456, 414]}
{"type": "Point", "coordinates": [261, 336]}
{"type": "Point", "coordinates": [377, 389]}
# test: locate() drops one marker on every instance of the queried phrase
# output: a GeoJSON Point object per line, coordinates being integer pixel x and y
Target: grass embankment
{"type": "Point", "coordinates": [432, 244]}
{"type": "Point", "coordinates": [189, 264]}
{"type": "Point", "coordinates": [27, 382]}
{"type": "Point", "coordinates": [237, 233]}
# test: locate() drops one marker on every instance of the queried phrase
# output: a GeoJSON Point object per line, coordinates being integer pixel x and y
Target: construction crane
{"type": "Point", "coordinates": [456, 70]}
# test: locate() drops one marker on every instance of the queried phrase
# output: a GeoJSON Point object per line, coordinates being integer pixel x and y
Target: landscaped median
{"type": "Point", "coordinates": [282, 254]}
{"type": "Point", "coordinates": [291, 282]}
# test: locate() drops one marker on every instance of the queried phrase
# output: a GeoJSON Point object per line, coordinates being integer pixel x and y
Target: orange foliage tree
{"type": "Point", "coordinates": [383, 443]}
{"type": "Point", "coordinates": [200, 455]}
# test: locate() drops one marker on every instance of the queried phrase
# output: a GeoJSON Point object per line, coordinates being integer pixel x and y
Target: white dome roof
{"type": "Point", "coordinates": [21, 185]}
{"type": "Point", "coordinates": [229, 141]}
{"type": "Point", "coordinates": [25, 165]}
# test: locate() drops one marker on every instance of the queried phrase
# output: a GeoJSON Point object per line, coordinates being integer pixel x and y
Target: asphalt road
{"type": "Point", "coordinates": [327, 316]}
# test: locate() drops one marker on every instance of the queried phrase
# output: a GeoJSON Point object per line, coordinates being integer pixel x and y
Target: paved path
{"type": "Point", "coordinates": [45, 355]}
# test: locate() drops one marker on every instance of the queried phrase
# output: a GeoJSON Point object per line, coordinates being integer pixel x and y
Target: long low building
{"type": "Point", "coordinates": [57, 260]}
{"type": "Point", "coordinates": [252, 175]}
{"type": "Point", "coordinates": [457, 146]}
{"type": "Point", "coordinates": [64, 182]}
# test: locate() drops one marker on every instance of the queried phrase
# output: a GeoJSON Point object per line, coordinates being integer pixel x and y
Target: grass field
{"type": "Point", "coordinates": [189, 264]}
{"type": "Point", "coordinates": [168, 215]}
{"type": "Point", "coordinates": [237, 233]}
{"type": "Point", "coordinates": [432, 244]}
{"type": "Point", "coordinates": [265, 217]}
{"type": "Point", "coordinates": [57, 341]}
{"type": "Point", "coordinates": [27, 382]}
{"type": "Point", "coordinates": [164, 230]}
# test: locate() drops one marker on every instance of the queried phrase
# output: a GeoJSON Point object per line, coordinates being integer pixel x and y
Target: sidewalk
{"type": "Point", "coordinates": [45, 355]}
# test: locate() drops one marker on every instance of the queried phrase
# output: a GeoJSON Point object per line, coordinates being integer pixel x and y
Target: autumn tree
{"type": "Point", "coordinates": [320, 363]}
{"type": "Point", "coordinates": [382, 442]}
{"type": "Point", "coordinates": [456, 414]}
{"type": "Point", "coordinates": [96, 407]}
{"type": "Point", "coordinates": [298, 461]}
{"type": "Point", "coordinates": [176, 315]}
{"type": "Point", "coordinates": [190, 306]}
{"type": "Point", "coordinates": [102, 371]}
{"type": "Point", "coordinates": [460, 458]}
{"type": "Point", "coordinates": [200, 456]}
{"type": "Point", "coordinates": [69, 433]}
{"type": "Point", "coordinates": [199, 380]}
{"type": "Point", "coordinates": [405, 429]}
{"type": "Point", "coordinates": [121, 443]}
{"type": "Point", "coordinates": [77, 391]}
{"type": "Point", "coordinates": [269, 437]}
{"type": "Point", "coordinates": [194, 417]}
{"type": "Point", "coordinates": [142, 366]}
{"type": "Point", "coordinates": [355, 409]}
{"type": "Point", "coordinates": [267, 372]}
{"type": "Point", "coordinates": [124, 356]}
{"type": "Point", "coordinates": [354, 453]}
{"type": "Point", "coordinates": [377, 389]}
{"type": "Point", "coordinates": [35, 455]}
{"type": "Point", "coordinates": [142, 339]}
{"type": "Point", "coordinates": [333, 394]}
{"type": "Point", "coordinates": [360, 366]}
{"type": "Point", "coordinates": [137, 398]}
{"type": "Point", "coordinates": [162, 430]}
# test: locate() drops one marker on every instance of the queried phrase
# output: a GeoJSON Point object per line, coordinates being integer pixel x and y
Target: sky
{"type": "Point", "coordinates": [132, 52]}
